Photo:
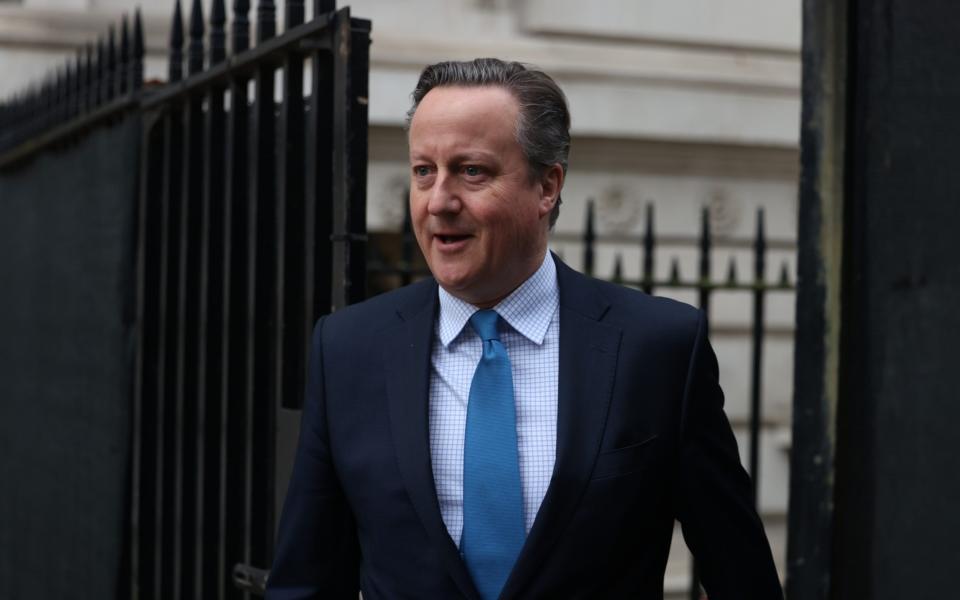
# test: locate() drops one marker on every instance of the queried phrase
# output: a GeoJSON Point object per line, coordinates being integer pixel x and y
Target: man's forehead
{"type": "Point", "coordinates": [459, 100]}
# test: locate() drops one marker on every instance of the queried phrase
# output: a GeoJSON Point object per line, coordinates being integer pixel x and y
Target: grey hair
{"type": "Point", "coordinates": [543, 125]}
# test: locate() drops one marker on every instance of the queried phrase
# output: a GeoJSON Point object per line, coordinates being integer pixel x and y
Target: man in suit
{"type": "Point", "coordinates": [510, 428]}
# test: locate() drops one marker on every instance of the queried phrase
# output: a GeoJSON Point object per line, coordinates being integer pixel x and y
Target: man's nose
{"type": "Point", "coordinates": [444, 197]}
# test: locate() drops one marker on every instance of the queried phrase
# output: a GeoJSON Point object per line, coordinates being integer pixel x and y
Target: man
{"type": "Point", "coordinates": [510, 428]}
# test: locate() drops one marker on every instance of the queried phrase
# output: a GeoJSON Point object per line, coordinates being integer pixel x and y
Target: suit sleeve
{"type": "Point", "coordinates": [317, 552]}
{"type": "Point", "coordinates": [714, 501]}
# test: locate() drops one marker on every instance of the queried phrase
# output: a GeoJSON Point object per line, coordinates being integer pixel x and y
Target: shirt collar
{"type": "Point", "coordinates": [528, 309]}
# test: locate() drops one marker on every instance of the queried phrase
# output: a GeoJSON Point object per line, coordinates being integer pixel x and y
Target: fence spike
{"type": "Point", "coordinates": [241, 26]}
{"type": "Point", "coordinates": [111, 82]}
{"type": "Point", "coordinates": [89, 81]}
{"type": "Point", "coordinates": [648, 249]}
{"type": "Point", "coordinates": [68, 92]}
{"type": "Point", "coordinates": [705, 244]}
{"type": "Point", "coordinates": [266, 20]}
{"type": "Point", "coordinates": [760, 249]}
{"type": "Point", "coordinates": [732, 271]}
{"type": "Point", "coordinates": [101, 72]}
{"type": "Point", "coordinates": [195, 48]}
{"type": "Point", "coordinates": [294, 13]}
{"type": "Point", "coordinates": [675, 270]}
{"type": "Point", "coordinates": [785, 274]}
{"type": "Point", "coordinates": [176, 44]}
{"type": "Point", "coordinates": [218, 34]}
{"type": "Point", "coordinates": [123, 70]}
{"type": "Point", "coordinates": [59, 95]}
{"type": "Point", "coordinates": [136, 64]}
{"type": "Point", "coordinates": [589, 237]}
{"type": "Point", "coordinates": [79, 80]}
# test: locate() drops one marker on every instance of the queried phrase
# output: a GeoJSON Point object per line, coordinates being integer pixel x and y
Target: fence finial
{"type": "Point", "coordinates": [218, 34]}
{"type": "Point", "coordinates": [195, 49]}
{"type": "Point", "coordinates": [176, 44]}
{"type": "Point", "coordinates": [241, 26]}
{"type": "Point", "coordinates": [589, 237]}
{"type": "Point", "coordinates": [648, 252]}
{"type": "Point", "coordinates": [266, 20]}
{"type": "Point", "coordinates": [760, 249]}
{"type": "Point", "coordinates": [705, 244]}
{"type": "Point", "coordinates": [111, 82]}
{"type": "Point", "coordinates": [101, 72]}
{"type": "Point", "coordinates": [732, 271]}
{"type": "Point", "coordinates": [294, 13]}
{"type": "Point", "coordinates": [123, 71]}
{"type": "Point", "coordinates": [136, 64]}
{"type": "Point", "coordinates": [89, 81]}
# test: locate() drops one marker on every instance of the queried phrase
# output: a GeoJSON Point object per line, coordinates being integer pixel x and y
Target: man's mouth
{"type": "Point", "coordinates": [451, 238]}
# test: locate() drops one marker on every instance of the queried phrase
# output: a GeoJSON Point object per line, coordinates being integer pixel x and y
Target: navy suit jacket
{"type": "Point", "coordinates": [642, 440]}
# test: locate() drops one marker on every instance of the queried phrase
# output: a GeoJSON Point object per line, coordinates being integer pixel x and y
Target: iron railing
{"type": "Point", "coordinates": [252, 225]}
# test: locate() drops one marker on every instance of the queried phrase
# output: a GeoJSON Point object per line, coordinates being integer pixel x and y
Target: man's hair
{"type": "Point", "coordinates": [543, 125]}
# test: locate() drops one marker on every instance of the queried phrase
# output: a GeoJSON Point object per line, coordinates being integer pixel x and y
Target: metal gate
{"type": "Point", "coordinates": [250, 224]}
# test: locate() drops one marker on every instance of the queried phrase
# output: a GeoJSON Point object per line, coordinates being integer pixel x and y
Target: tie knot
{"type": "Point", "coordinates": [484, 322]}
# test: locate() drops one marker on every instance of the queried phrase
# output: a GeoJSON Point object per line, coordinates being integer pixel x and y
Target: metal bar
{"type": "Point", "coordinates": [136, 62]}
{"type": "Point", "coordinates": [342, 107]}
{"type": "Point", "coordinates": [236, 415]}
{"type": "Point", "coordinates": [110, 82]}
{"type": "Point", "coordinates": [358, 95]}
{"type": "Point", "coordinates": [170, 568]}
{"type": "Point", "coordinates": [756, 364]}
{"type": "Point", "coordinates": [213, 310]}
{"type": "Point", "coordinates": [290, 301]}
{"type": "Point", "coordinates": [589, 238]}
{"type": "Point", "coordinates": [192, 338]}
{"type": "Point", "coordinates": [148, 393]}
{"type": "Point", "coordinates": [648, 253]}
{"type": "Point", "coordinates": [175, 66]}
{"type": "Point", "coordinates": [122, 74]}
{"type": "Point", "coordinates": [262, 281]}
{"type": "Point", "coordinates": [318, 151]}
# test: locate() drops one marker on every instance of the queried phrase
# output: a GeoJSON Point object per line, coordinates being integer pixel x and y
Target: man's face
{"type": "Point", "coordinates": [480, 219]}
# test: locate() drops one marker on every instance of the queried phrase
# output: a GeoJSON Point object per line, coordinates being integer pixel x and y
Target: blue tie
{"type": "Point", "coordinates": [493, 527]}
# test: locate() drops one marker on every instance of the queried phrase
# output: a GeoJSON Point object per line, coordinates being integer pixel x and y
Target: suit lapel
{"type": "Point", "coordinates": [588, 358]}
{"type": "Point", "coordinates": [406, 357]}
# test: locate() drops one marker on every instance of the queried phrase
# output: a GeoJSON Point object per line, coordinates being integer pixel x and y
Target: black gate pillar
{"type": "Point", "coordinates": [876, 462]}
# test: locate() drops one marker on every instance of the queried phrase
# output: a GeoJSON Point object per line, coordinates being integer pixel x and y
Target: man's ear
{"type": "Point", "coordinates": [550, 185]}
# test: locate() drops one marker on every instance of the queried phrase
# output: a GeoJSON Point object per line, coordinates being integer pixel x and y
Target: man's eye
{"type": "Point", "coordinates": [421, 171]}
{"type": "Point", "coordinates": [472, 171]}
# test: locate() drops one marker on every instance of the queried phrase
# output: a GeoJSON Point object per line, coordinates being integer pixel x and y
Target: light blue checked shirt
{"type": "Point", "coordinates": [532, 339]}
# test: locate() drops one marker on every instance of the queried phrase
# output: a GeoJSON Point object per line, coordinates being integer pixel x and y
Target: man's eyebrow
{"type": "Point", "coordinates": [459, 157]}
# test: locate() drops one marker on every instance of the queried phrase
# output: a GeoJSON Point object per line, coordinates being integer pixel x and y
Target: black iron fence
{"type": "Point", "coordinates": [250, 224]}
{"type": "Point", "coordinates": [395, 259]}
{"type": "Point", "coordinates": [100, 82]}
